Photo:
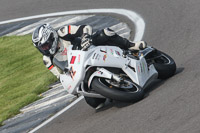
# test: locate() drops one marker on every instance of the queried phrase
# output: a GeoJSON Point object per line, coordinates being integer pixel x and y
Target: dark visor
{"type": "Point", "coordinates": [48, 44]}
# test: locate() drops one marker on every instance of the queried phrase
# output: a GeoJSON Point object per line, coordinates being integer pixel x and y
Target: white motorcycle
{"type": "Point", "coordinates": [110, 72]}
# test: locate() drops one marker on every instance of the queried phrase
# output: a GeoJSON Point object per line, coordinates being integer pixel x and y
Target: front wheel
{"type": "Point", "coordinates": [124, 92]}
{"type": "Point", "coordinates": [164, 64]}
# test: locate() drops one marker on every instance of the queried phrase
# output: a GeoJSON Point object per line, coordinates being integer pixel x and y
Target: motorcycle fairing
{"type": "Point", "coordinates": [104, 56]}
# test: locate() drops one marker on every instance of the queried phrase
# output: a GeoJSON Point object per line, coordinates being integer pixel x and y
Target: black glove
{"type": "Point", "coordinates": [86, 41]}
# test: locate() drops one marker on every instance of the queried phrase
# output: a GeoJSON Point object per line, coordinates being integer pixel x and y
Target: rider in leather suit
{"type": "Point", "coordinates": [53, 44]}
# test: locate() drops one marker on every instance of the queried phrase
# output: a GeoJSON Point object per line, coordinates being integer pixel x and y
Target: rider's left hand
{"type": "Point", "coordinates": [85, 41]}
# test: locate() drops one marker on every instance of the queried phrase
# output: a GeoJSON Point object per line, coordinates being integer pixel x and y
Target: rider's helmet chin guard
{"type": "Point", "coordinates": [45, 39]}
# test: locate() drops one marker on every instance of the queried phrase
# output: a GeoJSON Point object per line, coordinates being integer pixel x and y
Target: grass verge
{"type": "Point", "coordinates": [23, 75]}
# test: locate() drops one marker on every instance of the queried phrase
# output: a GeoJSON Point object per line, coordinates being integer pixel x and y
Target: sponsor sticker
{"type": "Point", "coordinates": [69, 87]}
{"type": "Point", "coordinates": [104, 57]}
{"type": "Point", "coordinates": [138, 68]}
{"type": "Point", "coordinates": [96, 56]}
{"type": "Point", "coordinates": [73, 59]}
{"type": "Point", "coordinates": [99, 72]}
{"type": "Point", "coordinates": [141, 68]}
{"type": "Point", "coordinates": [103, 50]}
{"type": "Point", "coordinates": [64, 52]}
{"type": "Point", "coordinates": [111, 51]}
{"type": "Point", "coordinates": [93, 57]}
{"type": "Point", "coordinates": [117, 52]}
{"type": "Point", "coordinates": [79, 59]}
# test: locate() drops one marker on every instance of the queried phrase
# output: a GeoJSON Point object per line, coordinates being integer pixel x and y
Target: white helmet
{"type": "Point", "coordinates": [45, 38]}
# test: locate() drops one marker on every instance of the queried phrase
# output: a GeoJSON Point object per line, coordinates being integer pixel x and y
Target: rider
{"type": "Point", "coordinates": [53, 43]}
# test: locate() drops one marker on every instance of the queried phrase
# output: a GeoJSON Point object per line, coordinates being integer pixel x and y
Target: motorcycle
{"type": "Point", "coordinates": [108, 72]}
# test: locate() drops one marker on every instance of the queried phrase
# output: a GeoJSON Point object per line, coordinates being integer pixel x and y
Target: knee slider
{"type": "Point", "coordinates": [109, 32]}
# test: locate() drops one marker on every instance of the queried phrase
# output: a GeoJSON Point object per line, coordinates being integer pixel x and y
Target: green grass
{"type": "Point", "coordinates": [23, 75]}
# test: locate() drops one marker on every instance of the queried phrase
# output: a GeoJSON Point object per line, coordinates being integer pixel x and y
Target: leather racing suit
{"type": "Point", "coordinates": [69, 35]}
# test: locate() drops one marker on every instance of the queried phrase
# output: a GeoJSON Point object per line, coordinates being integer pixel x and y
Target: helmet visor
{"type": "Point", "coordinates": [48, 44]}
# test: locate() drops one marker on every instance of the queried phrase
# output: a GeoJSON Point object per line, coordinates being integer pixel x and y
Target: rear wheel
{"type": "Point", "coordinates": [164, 64]}
{"type": "Point", "coordinates": [126, 91]}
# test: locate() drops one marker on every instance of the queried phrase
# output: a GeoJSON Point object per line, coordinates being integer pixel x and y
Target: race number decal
{"type": "Point", "coordinates": [72, 73]}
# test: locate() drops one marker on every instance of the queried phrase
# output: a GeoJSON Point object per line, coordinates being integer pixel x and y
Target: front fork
{"type": "Point", "coordinates": [101, 72]}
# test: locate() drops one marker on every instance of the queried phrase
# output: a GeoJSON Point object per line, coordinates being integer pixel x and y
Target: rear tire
{"type": "Point", "coordinates": [119, 94]}
{"type": "Point", "coordinates": [165, 65]}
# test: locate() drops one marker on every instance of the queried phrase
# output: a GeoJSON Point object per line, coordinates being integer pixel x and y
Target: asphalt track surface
{"type": "Point", "coordinates": [172, 105]}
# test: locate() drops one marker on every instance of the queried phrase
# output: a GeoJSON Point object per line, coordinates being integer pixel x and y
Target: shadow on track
{"type": "Point", "coordinates": [155, 84]}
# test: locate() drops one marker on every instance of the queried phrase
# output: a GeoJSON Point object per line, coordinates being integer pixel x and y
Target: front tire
{"type": "Point", "coordinates": [133, 94]}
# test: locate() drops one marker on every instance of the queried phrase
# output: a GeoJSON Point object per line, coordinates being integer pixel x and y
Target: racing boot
{"type": "Point", "coordinates": [140, 45]}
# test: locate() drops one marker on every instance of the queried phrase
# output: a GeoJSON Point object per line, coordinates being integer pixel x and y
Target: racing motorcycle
{"type": "Point", "coordinates": [108, 72]}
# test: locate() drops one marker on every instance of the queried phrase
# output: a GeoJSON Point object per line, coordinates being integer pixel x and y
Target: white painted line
{"type": "Point", "coordinates": [11, 28]}
{"type": "Point", "coordinates": [66, 22]}
{"type": "Point", "coordinates": [114, 27]}
{"type": "Point", "coordinates": [56, 85]}
{"type": "Point", "coordinates": [134, 17]}
{"type": "Point", "coordinates": [125, 35]}
{"type": "Point", "coordinates": [56, 92]}
{"type": "Point", "coordinates": [72, 20]}
{"type": "Point", "coordinates": [56, 115]}
{"type": "Point", "coordinates": [31, 26]}
{"type": "Point", "coordinates": [37, 106]}
{"type": "Point", "coordinates": [119, 27]}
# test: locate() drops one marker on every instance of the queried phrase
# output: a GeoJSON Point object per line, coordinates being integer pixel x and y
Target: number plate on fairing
{"type": "Point", "coordinates": [72, 79]}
